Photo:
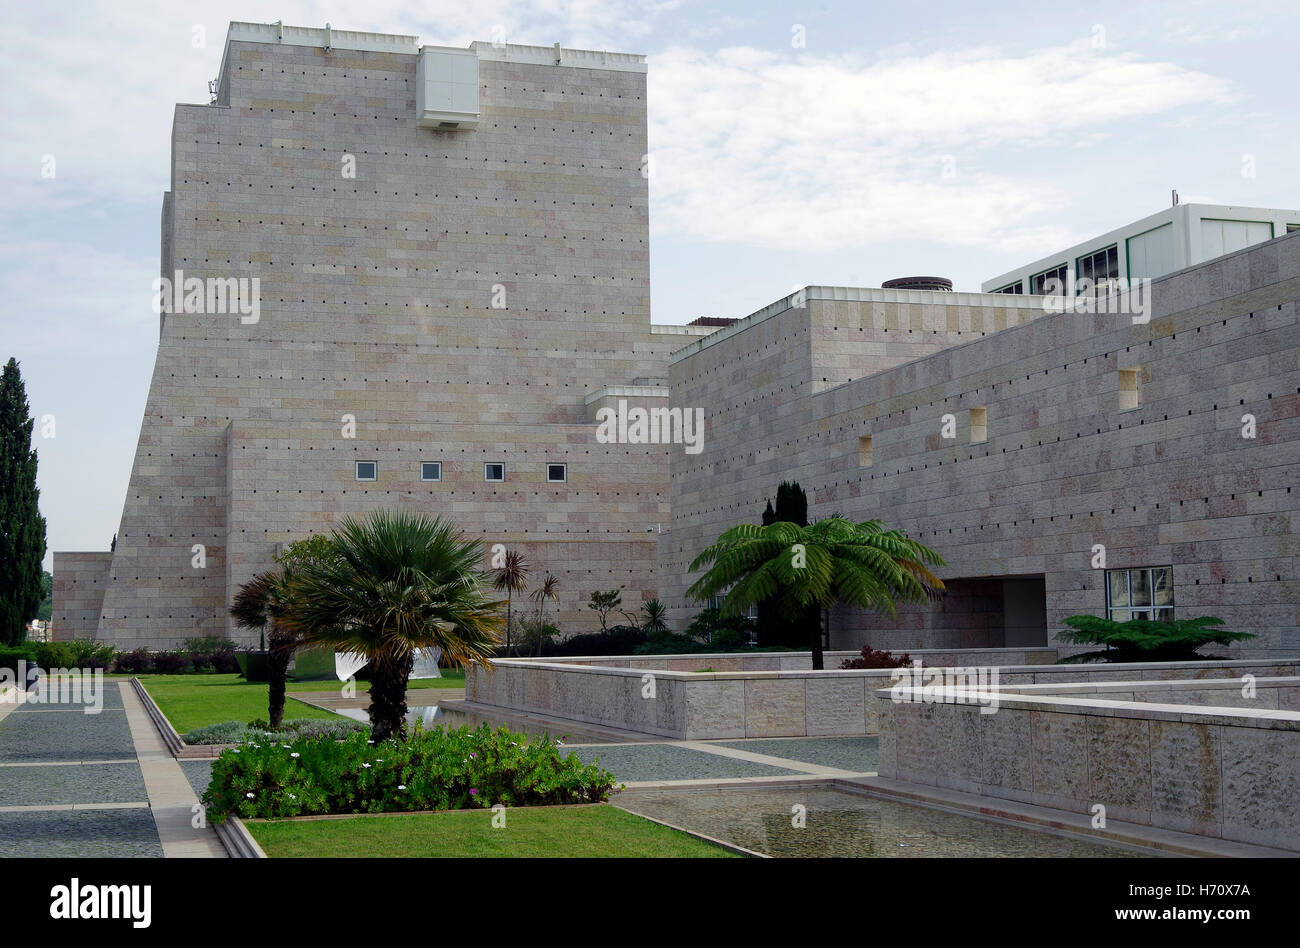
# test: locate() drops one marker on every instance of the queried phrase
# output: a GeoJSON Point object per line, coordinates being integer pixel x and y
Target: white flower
{"type": "Point", "coordinates": [369, 742]}
{"type": "Point", "coordinates": [235, 749]}
{"type": "Point", "coordinates": [365, 765]}
{"type": "Point", "coordinates": [249, 795]}
{"type": "Point", "coordinates": [401, 786]}
{"type": "Point", "coordinates": [294, 754]}
{"type": "Point", "coordinates": [292, 797]}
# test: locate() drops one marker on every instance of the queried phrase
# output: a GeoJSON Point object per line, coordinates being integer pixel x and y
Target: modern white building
{"type": "Point", "coordinates": [1178, 237]}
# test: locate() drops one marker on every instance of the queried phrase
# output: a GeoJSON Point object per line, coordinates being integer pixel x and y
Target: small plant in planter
{"type": "Point", "coordinates": [873, 658]}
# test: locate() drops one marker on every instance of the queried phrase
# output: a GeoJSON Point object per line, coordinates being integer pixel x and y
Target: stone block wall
{"type": "Point", "coordinates": [79, 583]}
{"type": "Point", "coordinates": [1061, 468]}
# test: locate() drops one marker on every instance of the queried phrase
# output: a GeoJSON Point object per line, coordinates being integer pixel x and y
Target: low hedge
{"type": "Point", "coordinates": [429, 770]}
{"type": "Point", "coordinates": [237, 732]}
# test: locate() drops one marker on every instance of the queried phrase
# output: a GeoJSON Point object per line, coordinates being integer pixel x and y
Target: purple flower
{"type": "Point", "coordinates": [472, 792]}
{"type": "Point", "coordinates": [473, 756]}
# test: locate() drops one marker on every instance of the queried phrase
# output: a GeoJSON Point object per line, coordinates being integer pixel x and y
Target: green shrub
{"type": "Point", "coordinates": [671, 644]}
{"type": "Point", "coordinates": [138, 661]}
{"type": "Point", "coordinates": [77, 653]}
{"type": "Point", "coordinates": [430, 770]}
{"type": "Point", "coordinates": [234, 732]}
{"type": "Point", "coordinates": [172, 663]}
{"type": "Point", "coordinates": [11, 655]}
{"type": "Point", "coordinates": [710, 625]}
{"type": "Point", "coordinates": [871, 658]}
{"type": "Point", "coordinates": [616, 640]}
{"type": "Point", "coordinates": [213, 653]}
{"type": "Point", "coordinates": [1142, 640]}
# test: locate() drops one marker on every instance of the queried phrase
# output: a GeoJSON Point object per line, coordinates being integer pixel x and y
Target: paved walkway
{"type": "Point", "coordinates": [100, 784]}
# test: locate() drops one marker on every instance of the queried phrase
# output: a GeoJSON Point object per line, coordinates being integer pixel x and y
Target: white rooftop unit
{"type": "Point", "coordinates": [446, 88]}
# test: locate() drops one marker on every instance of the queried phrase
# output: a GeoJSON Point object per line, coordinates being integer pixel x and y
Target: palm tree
{"type": "Point", "coordinates": [654, 622]}
{"type": "Point", "coordinates": [832, 561]}
{"type": "Point", "coordinates": [265, 600]}
{"type": "Point", "coordinates": [549, 589]}
{"type": "Point", "coordinates": [260, 601]}
{"type": "Point", "coordinates": [512, 576]}
{"type": "Point", "coordinates": [399, 582]}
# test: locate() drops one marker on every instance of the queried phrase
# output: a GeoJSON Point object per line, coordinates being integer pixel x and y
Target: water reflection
{"type": "Point", "coordinates": [839, 823]}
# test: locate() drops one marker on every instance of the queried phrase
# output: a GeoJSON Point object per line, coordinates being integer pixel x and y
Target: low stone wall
{"type": "Point", "coordinates": [1222, 772]}
{"type": "Point", "coordinates": [802, 661]}
{"type": "Point", "coordinates": [655, 695]}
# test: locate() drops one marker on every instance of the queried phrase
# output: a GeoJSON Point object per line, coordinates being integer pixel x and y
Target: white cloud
{"type": "Point", "coordinates": [792, 149]}
{"type": "Point", "coordinates": [95, 84]}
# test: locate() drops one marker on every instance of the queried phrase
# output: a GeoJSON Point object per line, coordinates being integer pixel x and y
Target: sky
{"type": "Point", "coordinates": [818, 142]}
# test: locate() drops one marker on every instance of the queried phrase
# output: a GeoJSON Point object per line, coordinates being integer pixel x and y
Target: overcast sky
{"type": "Point", "coordinates": [795, 143]}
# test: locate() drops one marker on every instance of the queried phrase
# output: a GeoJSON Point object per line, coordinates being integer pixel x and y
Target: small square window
{"type": "Point", "coordinates": [865, 452]}
{"type": "Point", "coordinates": [557, 473]}
{"type": "Point", "coordinates": [367, 470]}
{"type": "Point", "coordinates": [979, 430]}
{"type": "Point", "coordinates": [430, 470]}
{"type": "Point", "coordinates": [494, 472]}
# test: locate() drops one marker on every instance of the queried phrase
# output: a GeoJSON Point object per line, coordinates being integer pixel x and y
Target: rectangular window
{"type": "Point", "coordinates": [1050, 282]}
{"type": "Point", "coordinates": [865, 454]}
{"type": "Point", "coordinates": [1017, 287]}
{"type": "Point", "coordinates": [1292, 228]}
{"type": "Point", "coordinates": [1099, 269]}
{"type": "Point", "coordinates": [367, 470]}
{"type": "Point", "coordinates": [557, 473]}
{"type": "Point", "coordinates": [979, 430]}
{"type": "Point", "coordinates": [430, 470]}
{"type": "Point", "coordinates": [1130, 388]}
{"type": "Point", "coordinates": [494, 472]}
{"type": "Point", "coordinates": [1143, 593]}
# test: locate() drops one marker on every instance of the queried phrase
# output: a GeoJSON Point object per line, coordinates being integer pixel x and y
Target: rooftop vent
{"type": "Point", "coordinates": [712, 321]}
{"type": "Point", "coordinates": [918, 283]}
{"type": "Point", "coordinates": [446, 88]}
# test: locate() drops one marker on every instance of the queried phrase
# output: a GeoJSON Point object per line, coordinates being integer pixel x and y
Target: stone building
{"type": "Point", "coordinates": [1020, 443]}
{"type": "Point", "coordinates": [437, 306]}
{"type": "Point", "coordinates": [451, 248]}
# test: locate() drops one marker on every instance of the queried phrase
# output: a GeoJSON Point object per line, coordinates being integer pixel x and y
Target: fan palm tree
{"type": "Point", "coordinates": [264, 600]}
{"type": "Point", "coordinates": [831, 561]}
{"type": "Point", "coordinates": [259, 602]}
{"type": "Point", "coordinates": [512, 577]}
{"type": "Point", "coordinates": [399, 582]}
{"type": "Point", "coordinates": [549, 589]}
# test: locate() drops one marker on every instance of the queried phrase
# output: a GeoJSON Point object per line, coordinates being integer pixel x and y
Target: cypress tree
{"type": "Point", "coordinates": [791, 507]}
{"type": "Point", "coordinates": [22, 528]}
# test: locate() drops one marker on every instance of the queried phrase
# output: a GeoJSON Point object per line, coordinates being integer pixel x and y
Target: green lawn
{"type": "Point", "coordinates": [585, 831]}
{"type": "Point", "coordinates": [451, 678]}
{"type": "Point", "coordinates": [193, 701]}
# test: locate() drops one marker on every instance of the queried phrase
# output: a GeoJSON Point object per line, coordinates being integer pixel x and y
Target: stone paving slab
{"type": "Point", "coordinates": [198, 772]}
{"type": "Point", "coordinates": [64, 735]}
{"type": "Point", "coordinates": [53, 785]}
{"type": "Point", "coordinates": [172, 801]}
{"type": "Point", "coordinates": [79, 833]}
{"type": "Point", "coordinates": [639, 762]}
{"type": "Point", "coordinates": [856, 754]}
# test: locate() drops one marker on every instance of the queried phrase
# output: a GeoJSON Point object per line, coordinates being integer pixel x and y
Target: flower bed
{"type": "Point", "coordinates": [236, 732]}
{"type": "Point", "coordinates": [430, 770]}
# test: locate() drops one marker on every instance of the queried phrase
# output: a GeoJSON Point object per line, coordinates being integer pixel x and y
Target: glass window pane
{"type": "Point", "coordinates": [1120, 615]}
{"type": "Point", "coordinates": [1163, 586]}
{"type": "Point", "coordinates": [1165, 615]}
{"type": "Point", "coordinates": [1140, 586]}
{"type": "Point", "coordinates": [1118, 582]}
